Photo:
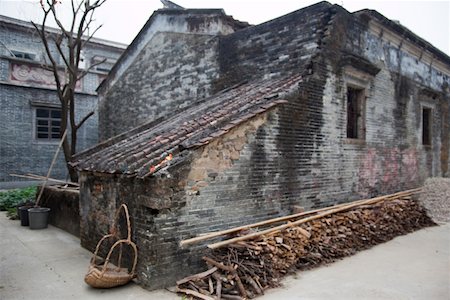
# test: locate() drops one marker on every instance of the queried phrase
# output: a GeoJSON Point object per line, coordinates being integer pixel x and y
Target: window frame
{"type": "Point", "coordinates": [360, 121]}
{"type": "Point", "coordinates": [50, 126]}
{"type": "Point", "coordinates": [359, 80]}
{"type": "Point", "coordinates": [23, 55]}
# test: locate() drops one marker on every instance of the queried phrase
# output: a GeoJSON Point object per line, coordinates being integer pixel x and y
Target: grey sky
{"type": "Point", "coordinates": [122, 19]}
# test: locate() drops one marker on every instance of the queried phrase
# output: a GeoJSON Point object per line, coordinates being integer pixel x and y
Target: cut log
{"type": "Point", "coordinates": [218, 285]}
{"type": "Point", "coordinates": [218, 264]}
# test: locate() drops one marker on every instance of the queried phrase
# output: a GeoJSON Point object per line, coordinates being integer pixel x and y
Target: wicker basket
{"type": "Point", "coordinates": [108, 275]}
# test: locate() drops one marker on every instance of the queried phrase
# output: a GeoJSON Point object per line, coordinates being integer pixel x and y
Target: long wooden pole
{"type": "Point", "coordinates": [50, 168]}
{"type": "Point", "coordinates": [279, 219]}
{"type": "Point", "coordinates": [37, 177]}
{"type": "Point", "coordinates": [301, 221]}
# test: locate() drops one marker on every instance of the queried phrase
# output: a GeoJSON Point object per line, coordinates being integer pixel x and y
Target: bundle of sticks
{"type": "Point", "coordinates": [249, 262]}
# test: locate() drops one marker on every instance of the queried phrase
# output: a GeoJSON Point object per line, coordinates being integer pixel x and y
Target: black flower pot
{"type": "Point", "coordinates": [23, 215]}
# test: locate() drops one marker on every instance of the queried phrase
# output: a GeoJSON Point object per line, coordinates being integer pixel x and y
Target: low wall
{"type": "Point", "coordinates": [65, 208]}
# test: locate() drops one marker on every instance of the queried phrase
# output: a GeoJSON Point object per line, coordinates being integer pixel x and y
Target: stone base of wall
{"type": "Point", "coordinates": [65, 208]}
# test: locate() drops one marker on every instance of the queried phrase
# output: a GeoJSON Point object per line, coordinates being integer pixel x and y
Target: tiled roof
{"type": "Point", "coordinates": [146, 149]}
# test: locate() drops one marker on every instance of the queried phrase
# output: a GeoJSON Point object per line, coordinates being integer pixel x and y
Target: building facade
{"type": "Point", "coordinates": [317, 107]}
{"type": "Point", "coordinates": [29, 107]}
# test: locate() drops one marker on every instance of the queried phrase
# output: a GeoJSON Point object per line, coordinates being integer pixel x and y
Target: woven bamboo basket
{"type": "Point", "coordinates": [108, 275]}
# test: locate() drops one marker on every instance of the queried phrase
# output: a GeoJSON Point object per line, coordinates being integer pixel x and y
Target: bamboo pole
{"type": "Point", "coordinates": [50, 168]}
{"type": "Point", "coordinates": [37, 177]}
{"type": "Point", "coordinates": [280, 219]}
{"type": "Point", "coordinates": [301, 221]}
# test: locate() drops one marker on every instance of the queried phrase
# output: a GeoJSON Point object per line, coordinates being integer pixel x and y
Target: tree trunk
{"type": "Point", "coordinates": [72, 173]}
{"type": "Point", "coordinates": [69, 45]}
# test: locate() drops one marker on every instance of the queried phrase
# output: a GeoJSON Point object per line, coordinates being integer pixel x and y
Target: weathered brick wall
{"type": "Point", "coordinates": [277, 47]}
{"type": "Point", "coordinates": [212, 190]}
{"type": "Point", "coordinates": [391, 157]}
{"type": "Point", "coordinates": [64, 207]}
{"type": "Point", "coordinates": [297, 154]}
{"type": "Point", "coordinates": [172, 71]}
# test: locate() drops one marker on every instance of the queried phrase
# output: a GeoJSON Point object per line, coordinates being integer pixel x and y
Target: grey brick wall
{"type": "Point", "coordinates": [171, 72]}
{"type": "Point", "coordinates": [277, 47]}
{"type": "Point", "coordinates": [20, 152]}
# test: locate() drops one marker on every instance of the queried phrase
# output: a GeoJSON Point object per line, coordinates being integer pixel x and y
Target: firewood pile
{"type": "Point", "coordinates": [249, 262]}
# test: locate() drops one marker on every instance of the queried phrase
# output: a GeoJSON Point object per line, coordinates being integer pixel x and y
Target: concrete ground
{"type": "Point", "coordinates": [50, 264]}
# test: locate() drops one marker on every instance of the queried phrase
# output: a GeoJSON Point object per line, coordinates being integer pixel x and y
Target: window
{"type": "Point", "coordinates": [103, 69]}
{"type": "Point", "coordinates": [105, 64]}
{"type": "Point", "coordinates": [426, 126]}
{"type": "Point", "coordinates": [48, 123]}
{"type": "Point", "coordinates": [355, 113]}
{"type": "Point", "coordinates": [23, 55]}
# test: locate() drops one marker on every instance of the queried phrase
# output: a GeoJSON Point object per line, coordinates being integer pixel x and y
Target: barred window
{"type": "Point", "coordinates": [355, 113]}
{"type": "Point", "coordinates": [48, 123]}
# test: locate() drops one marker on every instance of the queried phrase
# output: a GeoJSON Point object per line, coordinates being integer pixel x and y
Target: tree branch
{"type": "Point", "coordinates": [85, 72]}
{"type": "Point", "coordinates": [85, 119]}
{"type": "Point", "coordinates": [61, 52]}
{"type": "Point", "coordinates": [90, 36]}
{"type": "Point", "coordinates": [88, 8]}
{"type": "Point", "coordinates": [60, 25]}
{"type": "Point", "coordinates": [43, 36]}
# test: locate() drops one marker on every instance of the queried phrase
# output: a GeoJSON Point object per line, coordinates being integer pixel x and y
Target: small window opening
{"type": "Point", "coordinates": [355, 113]}
{"type": "Point", "coordinates": [103, 69]}
{"type": "Point", "coordinates": [23, 55]}
{"type": "Point", "coordinates": [426, 126]}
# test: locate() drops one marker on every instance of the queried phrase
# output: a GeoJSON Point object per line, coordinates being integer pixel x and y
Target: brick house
{"type": "Point", "coordinates": [29, 107]}
{"type": "Point", "coordinates": [218, 124]}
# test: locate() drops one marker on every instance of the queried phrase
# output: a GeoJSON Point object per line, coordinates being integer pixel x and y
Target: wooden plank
{"type": "Point", "coordinates": [197, 276]}
{"type": "Point", "coordinates": [194, 293]}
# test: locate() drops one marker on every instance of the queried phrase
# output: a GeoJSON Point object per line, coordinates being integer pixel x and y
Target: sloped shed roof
{"type": "Point", "coordinates": [139, 152]}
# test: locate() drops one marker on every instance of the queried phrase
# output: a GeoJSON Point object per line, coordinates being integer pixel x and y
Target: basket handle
{"type": "Point", "coordinates": [119, 242]}
{"type": "Point", "coordinates": [98, 247]}
{"type": "Point", "coordinates": [116, 221]}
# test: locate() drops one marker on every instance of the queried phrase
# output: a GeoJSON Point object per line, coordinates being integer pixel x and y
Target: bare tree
{"type": "Point", "coordinates": [69, 42]}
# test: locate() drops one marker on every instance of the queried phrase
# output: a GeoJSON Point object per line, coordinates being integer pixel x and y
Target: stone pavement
{"type": "Point", "coordinates": [50, 264]}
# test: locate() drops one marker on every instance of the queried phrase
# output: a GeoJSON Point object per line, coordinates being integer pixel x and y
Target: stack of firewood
{"type": "Point", "coordinates": [248, 263]}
